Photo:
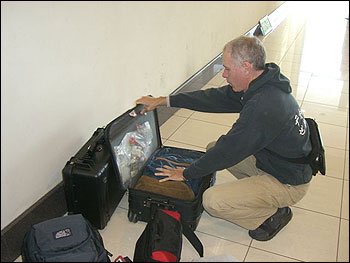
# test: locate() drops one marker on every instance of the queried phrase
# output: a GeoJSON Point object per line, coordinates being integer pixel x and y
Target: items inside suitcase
{"type": "Point", "coordinates": [137, 151]}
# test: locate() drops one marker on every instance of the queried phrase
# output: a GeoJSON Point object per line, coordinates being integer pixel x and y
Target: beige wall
{"type": "Point", "coordinates": [70, 67]}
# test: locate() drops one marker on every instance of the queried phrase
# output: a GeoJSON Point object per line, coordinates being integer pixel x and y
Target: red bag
{"type": "Point", "coordinates": [161, 241]}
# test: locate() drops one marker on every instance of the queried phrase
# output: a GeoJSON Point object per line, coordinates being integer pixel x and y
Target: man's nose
{"type": "Point", "coordinates": [224, 75]}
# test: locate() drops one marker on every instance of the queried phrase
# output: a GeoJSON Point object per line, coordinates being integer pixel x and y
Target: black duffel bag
{"type": "Point", "coordinates": [64, 239]}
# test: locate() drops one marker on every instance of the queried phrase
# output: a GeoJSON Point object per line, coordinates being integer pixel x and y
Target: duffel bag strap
{"type": "Point", "coordinates": [193, 239]}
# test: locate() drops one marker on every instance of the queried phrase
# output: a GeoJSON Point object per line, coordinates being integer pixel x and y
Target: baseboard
{"type": "Point", "coordinates": [51, 205]}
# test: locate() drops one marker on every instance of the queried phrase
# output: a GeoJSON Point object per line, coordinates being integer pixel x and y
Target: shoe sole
{"type": "Point", "coordinates": [282, 225]}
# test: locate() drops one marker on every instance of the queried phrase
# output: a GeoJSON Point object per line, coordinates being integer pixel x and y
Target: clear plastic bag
{"type": "Point", "coordinates": [132, 153]}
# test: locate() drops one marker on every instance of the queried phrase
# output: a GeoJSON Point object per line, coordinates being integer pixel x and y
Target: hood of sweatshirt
{"type": "Point", "coordinates": [273, 76]}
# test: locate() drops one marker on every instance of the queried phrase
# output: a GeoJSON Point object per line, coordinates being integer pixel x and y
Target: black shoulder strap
{"type": "Point", "coordinates": [192, 237]}
{"type": "Point", "coordinates": [316, 158]}
{"type": "Point", "coordinates": [316, 143]}
{"type": "Point", "coordinates": [301, 160]}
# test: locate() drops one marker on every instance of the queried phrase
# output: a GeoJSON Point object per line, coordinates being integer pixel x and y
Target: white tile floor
{"type": "Point", "coordinates": [311, 46]}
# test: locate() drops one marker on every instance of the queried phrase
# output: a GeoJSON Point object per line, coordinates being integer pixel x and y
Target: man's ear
{"type": "Point", "coordinates": [247, 66]}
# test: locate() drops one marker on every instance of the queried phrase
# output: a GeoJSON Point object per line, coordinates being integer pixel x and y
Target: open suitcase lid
{"type": "Point", "coordinates": [132, 139]}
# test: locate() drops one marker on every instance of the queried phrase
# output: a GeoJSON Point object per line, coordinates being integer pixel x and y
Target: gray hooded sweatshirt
{"type": "Point", "coordinates": [270, 118]}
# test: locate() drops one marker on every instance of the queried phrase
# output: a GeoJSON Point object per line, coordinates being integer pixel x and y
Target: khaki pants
{"type": "Point", "coordinates": [249, 201]}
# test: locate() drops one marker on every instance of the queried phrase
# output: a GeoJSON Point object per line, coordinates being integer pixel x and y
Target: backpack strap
{"type": "Point", "coordinates": [192, 237]}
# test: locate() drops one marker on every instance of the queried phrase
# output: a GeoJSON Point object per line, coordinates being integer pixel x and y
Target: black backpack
{"type": "Point", "coordinates": [64, 239]}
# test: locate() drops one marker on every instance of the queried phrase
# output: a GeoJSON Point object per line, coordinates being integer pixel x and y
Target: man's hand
{"type": "Point", "coordinates": [174, 174]}
{"type": "Point", "coordinates": [151, 103]}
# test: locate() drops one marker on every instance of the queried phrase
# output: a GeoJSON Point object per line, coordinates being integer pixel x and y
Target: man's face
{"type": "Point", "coordinates": [235, 75]}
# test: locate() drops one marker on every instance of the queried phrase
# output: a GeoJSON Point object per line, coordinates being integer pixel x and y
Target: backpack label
{"type": "Point", "coordinates": [62, 233]}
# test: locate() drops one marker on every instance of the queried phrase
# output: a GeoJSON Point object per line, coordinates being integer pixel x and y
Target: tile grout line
{"type": "Point", "coordinates": [302, 27]}
{"type": "Point", "coordinates": [267, 251]}
{"type": "Point", "coordinates": [327, 105]}
{"type": "Point", "coordinates": [177, 127]}
{"type": "Point", "coordinates": [317, 212]}
{"type": "Point", "coordinates": [339, 227]}
{"type": "Point", "coordinates": [250, 244]}
{"type": "Point", "coordinates": [307, 88]}
{"type": "Point", "coordinates": [228, 240]}
{"type": "Point", "coordinates": [324, 104]}
{"type": "Point", "coordinates": [342, 195]}
{"type": "Point", "coordinates": [211, 122]}
{"type": "Point", "coordinates": [334, 177]}
{"type": "Point", "coordinates": [186, 144]}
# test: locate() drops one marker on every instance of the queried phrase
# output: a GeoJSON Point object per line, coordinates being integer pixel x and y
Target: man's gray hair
{"type": "Point", "coordinates": [249, 49]}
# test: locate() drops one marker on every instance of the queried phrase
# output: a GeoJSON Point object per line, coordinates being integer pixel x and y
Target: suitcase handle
{"type": "Point", "coordinates": [91, 149]}
{"type": "Point", "coordinates": [150, 202]}
{"type": "Point", "coordinates": [84, 163]}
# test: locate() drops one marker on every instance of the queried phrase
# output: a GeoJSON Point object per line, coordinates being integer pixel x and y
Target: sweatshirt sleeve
{"type": "Point", "coordinates": [216, 100]}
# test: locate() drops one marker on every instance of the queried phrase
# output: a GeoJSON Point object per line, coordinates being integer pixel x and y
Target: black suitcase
{"type": "Point", "coordinates": [143, 203]}
{"type": "Point", "coordinates": [90, 184]}
{"type": "Point", "coordinates": [95, 179]}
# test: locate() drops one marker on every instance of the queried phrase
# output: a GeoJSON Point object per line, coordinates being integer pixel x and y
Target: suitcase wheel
{"type": "Point", "coordinates": [132, 217]}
